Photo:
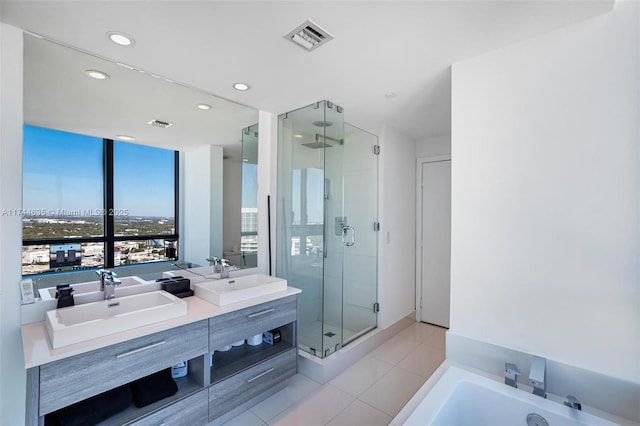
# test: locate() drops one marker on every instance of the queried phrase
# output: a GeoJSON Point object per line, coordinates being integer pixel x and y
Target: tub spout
{"type": "Point", "coordinates": [537, 375]}
{"type": "Point", "coordinates": [511, 374]}
{"type": "Point", "coordinates": [573, 402]}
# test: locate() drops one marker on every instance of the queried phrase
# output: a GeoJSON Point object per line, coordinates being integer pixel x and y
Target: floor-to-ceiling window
{"type": "Point", "coordinates": [92, 202]}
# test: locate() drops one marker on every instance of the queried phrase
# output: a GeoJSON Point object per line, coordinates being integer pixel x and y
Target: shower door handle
{"type": "Point", "coordinates": [345, 230]}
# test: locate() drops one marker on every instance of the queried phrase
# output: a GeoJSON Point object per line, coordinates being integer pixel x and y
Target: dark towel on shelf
{"type": "Point", "coordinates": [92, 410]}
{"type": "Point", "coordinates": [153, 388]}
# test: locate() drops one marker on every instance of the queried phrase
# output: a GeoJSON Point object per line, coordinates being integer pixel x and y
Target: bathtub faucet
{"type": "Point", "coordinates": [573, 402]}
{"type": "Point", "coordinates": [511, 374]}
{"type": "Point", "coordinates": [537, 375]}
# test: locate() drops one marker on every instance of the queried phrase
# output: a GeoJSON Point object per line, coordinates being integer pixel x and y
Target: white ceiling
{"type": "Point", "coordinates": [380, 47]}
{"type": "Point", "coordinates": [58, 95]}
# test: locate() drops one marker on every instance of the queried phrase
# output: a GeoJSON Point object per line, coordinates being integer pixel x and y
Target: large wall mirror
{"type": "Point", "coordinates": [82, 101]}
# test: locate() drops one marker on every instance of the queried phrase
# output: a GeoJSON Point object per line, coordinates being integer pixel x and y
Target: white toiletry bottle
{"type": "Point", "coordinates": [180, 370]}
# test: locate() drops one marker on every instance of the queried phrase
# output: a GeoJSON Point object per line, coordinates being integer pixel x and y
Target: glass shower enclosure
{"type": "Point", "coordinates": [326, 226]}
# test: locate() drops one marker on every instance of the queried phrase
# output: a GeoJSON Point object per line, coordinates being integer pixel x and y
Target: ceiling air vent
{"type": "Point", "coordinates": [161, 124]}
{"type": "Point", "coordinates": [309, 36]}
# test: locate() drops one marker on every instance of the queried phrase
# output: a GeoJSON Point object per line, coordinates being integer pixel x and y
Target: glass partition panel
{"type": "Point", "coordinates": [300, 231]}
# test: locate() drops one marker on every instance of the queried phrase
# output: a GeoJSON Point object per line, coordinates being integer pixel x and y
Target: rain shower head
{"type": "Point", "coordinates": [316, 145]}
{"type": "Point", "coordinates": [322, 123]}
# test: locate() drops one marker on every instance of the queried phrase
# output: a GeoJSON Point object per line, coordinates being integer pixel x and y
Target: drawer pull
{"type": "Point", "coordinates": [260, 375]}
{"type": "Point", "coordinates": [144, 348]}
{"type": "Point", "coordinates": [257, 314]}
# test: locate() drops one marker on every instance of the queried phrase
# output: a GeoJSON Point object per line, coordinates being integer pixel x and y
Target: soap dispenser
{"type": "Point", "coordinates": [64, 296]}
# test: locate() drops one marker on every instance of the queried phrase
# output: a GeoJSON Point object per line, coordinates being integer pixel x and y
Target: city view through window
{"type": "Point", "coordinates": [64, 213]}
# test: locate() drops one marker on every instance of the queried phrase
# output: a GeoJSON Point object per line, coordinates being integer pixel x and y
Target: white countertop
{"type": "Point", "coordinates": [38, 350]}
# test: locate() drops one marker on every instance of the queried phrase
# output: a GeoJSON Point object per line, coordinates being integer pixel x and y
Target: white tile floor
{"type": "Point", "coordinates": [371, 392]}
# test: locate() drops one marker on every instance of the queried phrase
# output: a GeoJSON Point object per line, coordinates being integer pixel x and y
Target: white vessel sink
{"type": "Point", "coordinates": [233, 290]}
{"type": "Point", "coordinates": [49, 293]}
{"type": "Point", "coordinates": [78, 323]}
{"type": "Point", "coordinates": [204, 273]}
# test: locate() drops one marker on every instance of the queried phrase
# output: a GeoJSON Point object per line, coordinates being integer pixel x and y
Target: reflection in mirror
{"type": "Point", "coordinates": [162, 121]}
{"type": "Point", "coordinates": [249, 211]}
{"type": "Point", "coordinates": [241, 231]}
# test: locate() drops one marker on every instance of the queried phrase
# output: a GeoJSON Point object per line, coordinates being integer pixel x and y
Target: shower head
{"type": "Point", "coordinates": [316, 145]}
{"type": "Point", "coordinates": [322, 123]}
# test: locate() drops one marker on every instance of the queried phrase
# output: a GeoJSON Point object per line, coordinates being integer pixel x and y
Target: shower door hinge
{"type": "Point", "coordinates": [376, 308]}
{"type": "Point", "coordinates": [376, 226]}
{"type": "Point", "coordinates": [376, 149]}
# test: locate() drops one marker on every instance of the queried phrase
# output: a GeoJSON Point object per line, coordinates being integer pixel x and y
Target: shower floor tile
{"type": "Point", "coordinates": [313, 335]}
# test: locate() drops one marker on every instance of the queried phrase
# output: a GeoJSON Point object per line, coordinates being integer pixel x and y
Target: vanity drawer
{"type": "Point", "coordinates": [191, 411]}
{"type": "Point", "coordinates": [228, 328]}
{"type": "Point", "coordinates": [228, 394]}
{"type": "Point", "coordinates": [76, 378]}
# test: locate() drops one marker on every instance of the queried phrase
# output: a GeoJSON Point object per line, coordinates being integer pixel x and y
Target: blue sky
{"type": "Point", "coordinates": [63, 170]}
{"type": "Point", "coordinates": [143, 179]}
{"type": "Point", "coordinates": [315, 195]}
{"type": "Point", "coordinates": [249, 185]}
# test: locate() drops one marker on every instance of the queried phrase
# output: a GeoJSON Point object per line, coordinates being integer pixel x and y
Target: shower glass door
{"type": "Point", "coordinates": [326, 209]}
{"type": "Point", "coordinates": [360, 259]}
{"type": "Point", "coordinates": [334, 223]}
{"type": "Point", "coordinates": [301, 216]}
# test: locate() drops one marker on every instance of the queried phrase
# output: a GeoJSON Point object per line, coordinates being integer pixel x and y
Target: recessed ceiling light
{"type": "Point", "coordinates": [246, 160]}
{"type": "Point", "coordinates": [204, 107]}
{"type": "Point", "coordinates": [298, 135]}
{"type": "Point", "coordinates": [121, 38]}
{"type": "Point", "coordinates": [98, 75]}
{"type": "Point", "coordinates": [125, 138]}
{"type": "Point", "coordinates": [241, 86]}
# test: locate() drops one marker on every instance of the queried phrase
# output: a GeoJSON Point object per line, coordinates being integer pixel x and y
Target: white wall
{"type": "Point", "coordinates": [12, 373]}
{"type": "Point", "coordinates": [267, 183]}
{"type": "Point", "coordinates": [546, 190]}
{"type": "Point", "coordinates": [396, 242]}
{"type": "Point", "coordinates": [433, 147]}
{"type": "Point", "coordinates": [202, 209]}
{"type": "Point", "coordinates": [232, 204]}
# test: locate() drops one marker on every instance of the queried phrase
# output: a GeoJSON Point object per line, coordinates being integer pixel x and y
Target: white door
{"type": "Point", "coordinates": [436, 242]}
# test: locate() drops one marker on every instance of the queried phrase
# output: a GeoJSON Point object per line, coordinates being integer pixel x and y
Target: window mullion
{"type": "Point", "coordinates": [109, 226]}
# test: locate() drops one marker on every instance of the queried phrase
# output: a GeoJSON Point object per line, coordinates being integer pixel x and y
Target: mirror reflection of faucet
{"type": "Point", "coordinates": [224, 268]}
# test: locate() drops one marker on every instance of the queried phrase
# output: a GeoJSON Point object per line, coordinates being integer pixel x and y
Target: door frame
{"type": "Point", "coordinates": [420, 161]}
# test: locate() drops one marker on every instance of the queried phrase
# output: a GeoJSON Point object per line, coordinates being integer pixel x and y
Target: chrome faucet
{"type": "Point", "coordinates": [108, 283]}
{"type": "Point", "coordinates": [538, 374]}
{"type": "Point", "coordinates": [573, 402]}
{"type": "Point", "coordinates": [217, 264]}
{"type": "Point", "coordinates": [511, 374]}
{"type": "Point", "coordinates": [224, 268]}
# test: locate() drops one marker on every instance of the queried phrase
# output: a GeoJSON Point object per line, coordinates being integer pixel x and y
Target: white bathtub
{"type": "Point", "coordinates": [461, 397]}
